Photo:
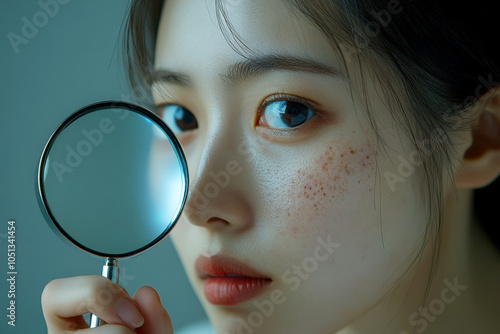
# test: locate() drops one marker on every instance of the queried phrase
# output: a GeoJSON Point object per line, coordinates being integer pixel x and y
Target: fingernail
{"type": "Point", "coordinates": [129, 313]}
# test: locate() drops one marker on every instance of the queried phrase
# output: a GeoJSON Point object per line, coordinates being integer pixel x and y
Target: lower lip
{"type": "Point", "coordinates": [233, 290]}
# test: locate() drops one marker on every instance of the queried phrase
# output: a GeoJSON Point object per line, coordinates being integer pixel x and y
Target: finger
{"type": "Point", "coordinates": [65, 300]}
{"type": "Point", "coordinates": [156, 318]}
{"type": "Point", "coordinates": [104, 329]}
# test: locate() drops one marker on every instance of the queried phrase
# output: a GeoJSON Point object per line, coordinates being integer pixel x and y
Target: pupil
{"type": "Point", "coordinates": [294, 114]}
{"type": "Point", "coordinates": [184, 119]}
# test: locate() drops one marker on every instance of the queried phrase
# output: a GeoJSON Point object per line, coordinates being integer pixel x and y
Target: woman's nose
{"type": "Point", "coordinates": [219, 194]}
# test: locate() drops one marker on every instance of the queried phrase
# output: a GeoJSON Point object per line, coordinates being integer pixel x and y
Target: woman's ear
{"type": "Point", "coordinates": [481, 161]}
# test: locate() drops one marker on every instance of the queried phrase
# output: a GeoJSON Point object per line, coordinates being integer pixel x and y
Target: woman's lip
{"type": "Point", "coordinates": [219, 265]}
{"type": "Point", "coordinates": [233, 290]}
{"type": "Point", "coordinates": [228, 281]}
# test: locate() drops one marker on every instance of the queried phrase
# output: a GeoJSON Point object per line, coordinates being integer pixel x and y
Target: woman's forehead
{"type": "Point", "coordinates": [190, 33]}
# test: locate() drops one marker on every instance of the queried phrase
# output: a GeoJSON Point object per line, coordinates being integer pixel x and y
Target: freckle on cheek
{"type": "Point", "coordinates": [329, 176]}
{"type": "Point", "coordinates": [311, 194]}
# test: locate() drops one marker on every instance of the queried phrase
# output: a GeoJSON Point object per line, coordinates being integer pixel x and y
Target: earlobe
{"type": "Point", "coordinates": [481, 161]}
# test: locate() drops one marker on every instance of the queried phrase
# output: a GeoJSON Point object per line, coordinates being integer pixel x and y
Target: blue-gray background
{"type": "Point", "coordinates": [70, 62]}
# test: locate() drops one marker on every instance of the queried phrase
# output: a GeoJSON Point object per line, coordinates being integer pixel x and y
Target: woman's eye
{"type": "Point", "coordinates": [285, 114]}
{"type": "Point", "coordinates": [178, 118]}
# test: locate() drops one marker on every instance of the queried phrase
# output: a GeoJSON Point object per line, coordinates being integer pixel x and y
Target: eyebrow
{"type": "Point", "coordinates": [253, 67]}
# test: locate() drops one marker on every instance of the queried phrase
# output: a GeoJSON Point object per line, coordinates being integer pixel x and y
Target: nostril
{"type": "Point", "coordinates": [216, 220]}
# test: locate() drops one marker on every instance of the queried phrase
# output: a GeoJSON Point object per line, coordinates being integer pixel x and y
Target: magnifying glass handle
{"type": "Point", "coordinates": [111, 271]}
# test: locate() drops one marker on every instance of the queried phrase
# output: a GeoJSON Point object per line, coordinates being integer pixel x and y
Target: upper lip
{"type": "Point", "coordinates": [219, 265]}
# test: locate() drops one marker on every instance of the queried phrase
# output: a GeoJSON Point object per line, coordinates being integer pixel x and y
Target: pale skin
{"type": "Point", "coordinates": [295, 186]}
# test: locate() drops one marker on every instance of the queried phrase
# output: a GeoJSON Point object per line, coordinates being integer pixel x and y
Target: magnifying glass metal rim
{"type": "Point", "coordinates": [49, 217]}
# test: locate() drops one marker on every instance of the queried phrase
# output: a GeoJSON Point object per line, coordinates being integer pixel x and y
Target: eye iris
{"type": "Point", "coordinates": [293, 113]}
{"type": "Point", "coordinates": [184, 119]}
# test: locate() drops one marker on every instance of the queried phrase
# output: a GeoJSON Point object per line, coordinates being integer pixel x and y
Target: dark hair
{"type": "Point", "coordinates": [444, 55]}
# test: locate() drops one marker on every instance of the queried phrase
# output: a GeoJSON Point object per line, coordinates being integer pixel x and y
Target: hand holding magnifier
{"type": "Point", "coordinates": [113, 180]}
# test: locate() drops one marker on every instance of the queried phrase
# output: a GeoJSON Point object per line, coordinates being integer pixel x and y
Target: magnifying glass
{"type": "Point", "coordinates": [113, 180]}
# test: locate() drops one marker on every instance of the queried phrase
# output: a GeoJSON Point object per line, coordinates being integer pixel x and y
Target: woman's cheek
{"type": "Point", "coordinates": [337, 194]}
{"type": "Point", "coordinates": [320, 197]}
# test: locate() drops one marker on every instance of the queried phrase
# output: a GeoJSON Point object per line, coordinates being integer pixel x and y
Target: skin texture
{"type": "Point", "coordinates": [322, 180]}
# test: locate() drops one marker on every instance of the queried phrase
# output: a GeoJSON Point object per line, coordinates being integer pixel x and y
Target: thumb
{"type": "Point", "coordinates": [156, 318]}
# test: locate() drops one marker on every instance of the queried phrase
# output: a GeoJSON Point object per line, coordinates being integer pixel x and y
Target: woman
{"type": "Point", "coordinates": [333, 149]}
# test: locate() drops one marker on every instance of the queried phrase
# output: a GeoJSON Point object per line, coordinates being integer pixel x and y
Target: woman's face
{"type": "Point", "coordinates": [295, 189]}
